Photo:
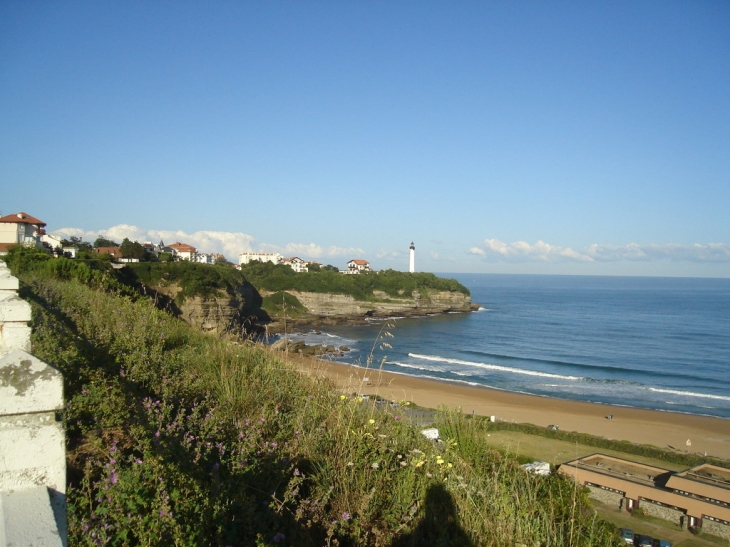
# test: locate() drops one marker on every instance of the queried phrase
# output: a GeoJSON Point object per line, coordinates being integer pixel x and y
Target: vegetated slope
{"type": "Point", "coordinates": [177, 438]}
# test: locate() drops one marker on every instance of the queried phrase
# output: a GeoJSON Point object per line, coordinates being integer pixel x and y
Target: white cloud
{"type": "Point", "coordinates": [521, 251]}
{"type": "Point", "coordinates": [711, 252]}
{"type": "Point", "coordinates": [230, 244]}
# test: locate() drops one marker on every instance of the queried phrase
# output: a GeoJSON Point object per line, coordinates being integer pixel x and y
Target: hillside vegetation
{"type": "Point", "coordinates": [179, 438]}
{"type": "Point", "coordinates": [272, 277]}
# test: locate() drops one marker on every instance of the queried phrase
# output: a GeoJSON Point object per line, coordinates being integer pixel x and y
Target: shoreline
{"type": "Point", "coordinates": [663, 429]}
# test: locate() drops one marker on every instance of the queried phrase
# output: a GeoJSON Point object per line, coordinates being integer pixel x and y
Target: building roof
{"type": "Point", "coordinates": [24, 218]}
{"type": "Point", "coordinates": [705, 480]}
{"type": "Point", "coordinates": [108, 250]}
{"type": "Point", "coordinates": [360, 262]}
{"type": "Point", "coordinates": [183, 247]}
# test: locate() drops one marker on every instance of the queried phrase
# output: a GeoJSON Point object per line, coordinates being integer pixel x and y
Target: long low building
{"type": "Point", "coordinates": [697, 498]}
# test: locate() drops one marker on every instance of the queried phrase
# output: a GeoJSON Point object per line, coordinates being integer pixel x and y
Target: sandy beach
{"type": "Point", "coordinates": [663, 429]}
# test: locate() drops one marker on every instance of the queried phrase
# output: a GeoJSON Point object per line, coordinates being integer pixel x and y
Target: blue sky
{"type": "Point", "coordinates": [510, 137]}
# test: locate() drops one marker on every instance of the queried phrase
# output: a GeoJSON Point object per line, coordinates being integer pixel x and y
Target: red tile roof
{"type": "Point", "coordinates": [22, 218]}
{"type": "Point", "coordinates": [183, 247]}
{"type": "Point", "coordinates": [360, 262]}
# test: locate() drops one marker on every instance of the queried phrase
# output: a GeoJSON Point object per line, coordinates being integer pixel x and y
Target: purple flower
{"type": "Point", "coordinates": [278, 537]}
{"type": "Point", "coordinates": [345, 516]}
{"type": "Point", "coordinates": [113, 478]}
{"type": "Point", "coordinates": [297, 473]}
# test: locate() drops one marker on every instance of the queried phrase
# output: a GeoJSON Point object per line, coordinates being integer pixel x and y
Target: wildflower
{"type": "Point", "coordinates": [342, 397]}
{"type": "Point", "coordinates": [419, 463]}
{"type": "Point", "coordinates": [450, 464]}
{"type": "Point", "coordinates": [375, 465]}
{"type": "Point", "coordinates": [278, 537]}
{"type": "Point", "coordinates": [345, 516]}
{"type": "Point", "coordinates": [397, 418]}
{"type": "Point", "coordinates": [297, 473]}
{"type": "Point", "coordinates": [350, 464]}
{"type": "Point", "coordinates": [440, 461]}
{"type": "Point", "coordinates": [371, 421]}
{"type": "Point", "coordinates": [113, 478]}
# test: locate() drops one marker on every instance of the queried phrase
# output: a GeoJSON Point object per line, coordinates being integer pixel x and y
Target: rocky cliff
{"type": "Point", "coordinates": [328, 308]}
{"type": "Point", "coordinates": [238, 313]}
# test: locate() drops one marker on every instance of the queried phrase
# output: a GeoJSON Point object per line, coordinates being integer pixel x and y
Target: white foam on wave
{"type": "Point", "coordinates": [416, 367]}
{"type": "Point", "coordinates": [488, 366]}
{"type": "Point", "coordinates": [689, 394]}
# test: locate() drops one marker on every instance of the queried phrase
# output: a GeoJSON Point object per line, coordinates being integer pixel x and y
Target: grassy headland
{"type": "Point", "coordinates": [180, 438]}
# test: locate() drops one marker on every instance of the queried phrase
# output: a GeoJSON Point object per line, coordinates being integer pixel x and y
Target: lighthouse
{"type": "Point", "coordinates": [412, 264]}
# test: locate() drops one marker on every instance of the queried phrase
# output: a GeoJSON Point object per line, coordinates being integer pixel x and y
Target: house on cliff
{"type": "Point", "coordinates": [357, 266]}
{"type": "Point", "coordinates": [20, 229]}
{"type": "Point", "coordinates": [295, 263]}
{"type": "Point", "coordinates": [183, 251]}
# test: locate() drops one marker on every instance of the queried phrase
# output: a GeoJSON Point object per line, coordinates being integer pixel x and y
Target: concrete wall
{"type": "Point", "coordinates": [32, 440]}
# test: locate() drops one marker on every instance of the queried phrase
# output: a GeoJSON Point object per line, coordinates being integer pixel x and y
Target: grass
{"type": "Point", "coordinates": [557, 451]}
{"type": "Point", "coordinates": [175, 437]}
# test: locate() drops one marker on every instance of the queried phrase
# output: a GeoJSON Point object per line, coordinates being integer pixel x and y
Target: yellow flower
{"type": "Point", "coordinates": [450, 464]}
{"type": "Point", "coordinates": [439, 461]}
{"type": "Point", "coordinates": [371, 421]}
{"type": "Point", "coordinates": [419, 463]}
{"type": "Point", "coordinates": [342, 397]}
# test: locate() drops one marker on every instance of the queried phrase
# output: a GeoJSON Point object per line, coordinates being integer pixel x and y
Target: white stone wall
{"type": "Point", "coordinates": [32, 440]}
{"type": "Point", "coordinates": [14, 315]}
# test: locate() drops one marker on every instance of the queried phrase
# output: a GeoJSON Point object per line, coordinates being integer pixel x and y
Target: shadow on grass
{"type": "Point", "coordinates": [440, 525]}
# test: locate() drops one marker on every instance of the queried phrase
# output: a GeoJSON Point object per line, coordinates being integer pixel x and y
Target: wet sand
{"type": "Point", "coordinates": [661, 429]}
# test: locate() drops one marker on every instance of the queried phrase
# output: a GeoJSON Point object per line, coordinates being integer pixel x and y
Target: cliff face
{"type": "Point", "coordinates": [328, 308]}
{"type": "Point", "coordinates": [240, 311]}
{"type": "Point", "coordinates": [221, 313]}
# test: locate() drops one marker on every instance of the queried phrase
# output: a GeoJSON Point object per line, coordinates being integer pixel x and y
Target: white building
{"type": "Point", "coordinates": [245, 258]}
{"type": "Point", "coordinates": [183, 251]}
{"type": "Point", "coordinates": [358, 266]}
{"type": "Point", "coordinates": [295, 263]}
{"type": "Point", "coordinates": [56, 243]}
{"type": "Point", "coordinates": [20, 228]}
{"type": "Point", "coordinates": [412, 263]}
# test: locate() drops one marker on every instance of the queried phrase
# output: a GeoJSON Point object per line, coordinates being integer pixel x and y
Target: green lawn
{"type": "Point", "coordinates": [557, 451]}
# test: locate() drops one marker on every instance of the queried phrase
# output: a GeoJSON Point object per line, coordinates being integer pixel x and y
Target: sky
{"type": "Point", "coordinates": [562, 137]}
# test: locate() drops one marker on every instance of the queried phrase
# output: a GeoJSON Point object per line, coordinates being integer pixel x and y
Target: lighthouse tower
{"type": "Point", "coordinates": [412, 264]}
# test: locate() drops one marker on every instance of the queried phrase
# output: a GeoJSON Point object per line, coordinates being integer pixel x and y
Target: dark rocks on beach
{"type": "Point", "coordinates": [298, 346]}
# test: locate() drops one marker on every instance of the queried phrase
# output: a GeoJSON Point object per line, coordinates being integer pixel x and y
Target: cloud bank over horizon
{"type": "Point", "coordinates": [521, 251]}
{"type": "Point", "coordinates": [230, 244]}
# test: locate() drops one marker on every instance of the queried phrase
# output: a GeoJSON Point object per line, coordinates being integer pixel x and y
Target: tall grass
{"type": "Point", "coordinates": [179, 438]}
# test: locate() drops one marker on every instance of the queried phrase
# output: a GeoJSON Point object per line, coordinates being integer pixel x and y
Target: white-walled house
{"type": "Point", "coordinates": [20, 228]}
{"type": "Point", "coordinates": [55, 243]}
{"type": "Point", "coordinates": [358, 266]}
{"type": "Point", "coordinates": [205, 258]}
{"type": "Point", "coordinates": [295, 263]}
{"type": "Point", "coordinates": [183, 251]}
{"type": "Point", "coordinates": [245, 258]}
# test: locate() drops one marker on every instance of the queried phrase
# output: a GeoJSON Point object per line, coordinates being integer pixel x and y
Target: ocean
{"type": "Point", "coordinates": [657, 343]}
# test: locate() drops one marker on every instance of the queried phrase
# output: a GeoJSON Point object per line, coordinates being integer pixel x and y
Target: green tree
{"type": "Point", "coordinates": [221, 260]}
{"type": "Point", "coordinates": [132, 249]}
{"type": "Point", "coordinates": [104, 242]}
{"type": "Point", "coordinates": [330, 268]}
{"type": "Point", "coordinates": [75, 241]}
